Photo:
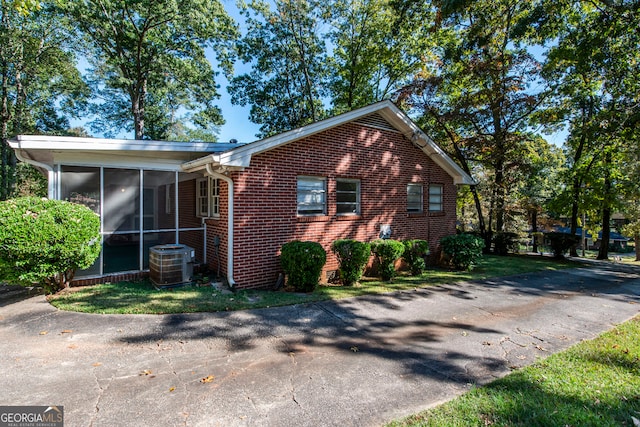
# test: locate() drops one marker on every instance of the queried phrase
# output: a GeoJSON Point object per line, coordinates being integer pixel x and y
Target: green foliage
{"type": "Point", "coordinates": [414, 253]}
{"type": "Point", "coordinates": [561, 242]}
{"type": "Point", "coordinates": [462, 250]}
{"type": "Point", "coordinates": [387, 252]}
{"type": "Point", "coordinates": [505, 243]}
{"type": "Point", "coordinates": [353, 257]}
{"type": "Point", "coordinates": [302, 262]}
{"type": "Point", "coordinates": [149, 65]}
{"type": "Point", "coordinates": [45, 241]}
{"type": "Point", "coordinates": [288, 79]}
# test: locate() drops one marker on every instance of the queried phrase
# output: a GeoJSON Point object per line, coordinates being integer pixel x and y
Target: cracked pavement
{"type": "Point", "coordinates": [362, 361]}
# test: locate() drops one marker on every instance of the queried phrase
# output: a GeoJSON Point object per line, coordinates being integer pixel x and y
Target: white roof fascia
{"type": "Point", "coordinates": [410, 130]}
{"type": "Point", "coordinates": [43, 142]}
{"type": "Point", "coordinates": [241, 157]}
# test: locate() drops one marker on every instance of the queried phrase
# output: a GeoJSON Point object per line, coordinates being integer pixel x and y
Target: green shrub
{"type": "Point", "coordinates": [387, 252]}
{"type": "Point", "coordinates": [505, 243]}
{"type": "Point", "coordinates": [414, 253]}
{"type": "Point", "coordinates": [45, 241]}
{"type": "Point", "coordinates": [561, 242]}
{"type": "Point", "coordinates": [302, 262]}
{"type": "Point", "coordinates": [462, 250]}
{"type": "Point", "coordinates": [353, 257]}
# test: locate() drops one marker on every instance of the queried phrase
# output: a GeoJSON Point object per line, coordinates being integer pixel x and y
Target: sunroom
{"type": "Point", "coordinates": [138, 189]}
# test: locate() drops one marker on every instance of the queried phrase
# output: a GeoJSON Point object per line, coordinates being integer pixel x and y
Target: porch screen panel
{"type": "Point", "coordinates": [121, 252]}
{"type": "Point", "coordinates": [81, 185]}
{"type": "Point", "coordinates": [121, 211]}
{"type": "Point", "coordinates": [158, 200]}
{"type": "Point", "coordinates": [121, 220]}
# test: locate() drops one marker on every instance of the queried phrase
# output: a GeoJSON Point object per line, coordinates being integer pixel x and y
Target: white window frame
{"type": "Point", "coordinates": [436, 198]}
{"type": "Point", "coordinates": [207, 197]}
{"type": "Point", "coordinates": [320, 191]}
{"type": "Point", "coordinates": [214, 197]}
{"type": "Point", "coordinates": [357, 196]}
{"type": "Point", "coordinates": [415, 189]}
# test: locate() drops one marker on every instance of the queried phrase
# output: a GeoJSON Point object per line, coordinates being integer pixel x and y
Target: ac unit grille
{"type": "Point", "coordinates": [170, 264]}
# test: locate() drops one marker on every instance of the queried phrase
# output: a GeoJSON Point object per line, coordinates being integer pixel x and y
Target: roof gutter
{"type": "Point", "coordinates": [229, 181]}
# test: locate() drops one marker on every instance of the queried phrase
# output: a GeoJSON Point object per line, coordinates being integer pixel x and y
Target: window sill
{"type": "Point", "coordinates": [437, 213]}
{"type": "Point", "coordinates": [347, 217]}
{"type": "Point", "coordinates": [312, 218]}
{"type": "Point", "coordinates": [416, 214]}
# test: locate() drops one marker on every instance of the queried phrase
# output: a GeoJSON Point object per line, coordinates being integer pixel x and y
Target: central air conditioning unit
{"type": "Point", "coordinates": [171, 264]}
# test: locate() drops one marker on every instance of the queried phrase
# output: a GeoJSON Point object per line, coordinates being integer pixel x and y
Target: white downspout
{"type": "Point", "coordinates": [52, 188]}
{"type": "Point", "coordinates": [229, 182]}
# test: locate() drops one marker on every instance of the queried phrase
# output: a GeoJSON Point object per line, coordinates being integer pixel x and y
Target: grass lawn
{"type": "Point", "coordinates": [594, 383]}
{"type": "Point", "coordinates": [142, 297]}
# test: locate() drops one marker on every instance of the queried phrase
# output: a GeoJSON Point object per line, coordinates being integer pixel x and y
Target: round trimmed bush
{"type": "Point", "coordinates": [353, 257]}
{"type": "Point", "coordinates": [387, 252]}
{"type": "Point", "coordinates": [414, 254]}
{"type": "Point", "coordinates": [45, 241]}
{"type": "Point", "coordinates": [462, 250]}
{"type": "Point", "coordinates": [302, 262]}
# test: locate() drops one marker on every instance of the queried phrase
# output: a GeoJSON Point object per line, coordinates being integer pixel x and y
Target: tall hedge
{"type": "Point", "coordinates": [302, 262]}
{"type": "Point", "coordinates": [353, 257]}
{"type": "Point", "coordinates": [45, 241]}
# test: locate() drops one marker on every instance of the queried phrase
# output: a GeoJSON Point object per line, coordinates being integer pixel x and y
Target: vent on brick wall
{"type": "Point", "coordinates": [375, 120]}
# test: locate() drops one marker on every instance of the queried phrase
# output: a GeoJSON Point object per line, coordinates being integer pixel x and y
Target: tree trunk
{"type": "Point", "coordinates": [573, 251]}
{"type": "Point", "coordinates": [603, 253]}
{"type": "Point", "coordinates": [636, 239]}
{"type": "Point", "coordinates": [534, 229]}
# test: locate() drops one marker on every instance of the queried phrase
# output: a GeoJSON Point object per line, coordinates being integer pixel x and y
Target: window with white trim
{"type": "Point", "coordinates": [207, 197]}
{"type": "Point", "coordinates": [414, 198]}
{"type": "Point", "coordinates": [435, 198]}
{"type": "Point", "coordinates": [214, 199]}
{"type": "Point", "coordinates": [312, 195]}
{"type": "Point", "coordinates": [347, 196]}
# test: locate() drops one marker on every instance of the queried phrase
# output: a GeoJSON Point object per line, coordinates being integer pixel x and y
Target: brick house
{"type": "Point", "coordinates": [350, 176]}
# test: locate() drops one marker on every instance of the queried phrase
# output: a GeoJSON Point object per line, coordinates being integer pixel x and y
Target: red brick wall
{"type": "Point", "coordinates": [384, 162]}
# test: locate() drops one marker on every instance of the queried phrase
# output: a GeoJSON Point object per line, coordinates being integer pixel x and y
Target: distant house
{"type": "Point", "coordinates": [617, 242]}
{"type": "Point", "coordinates": [349, 176]}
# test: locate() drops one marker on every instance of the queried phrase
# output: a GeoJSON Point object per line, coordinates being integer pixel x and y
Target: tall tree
{"type": "Point", "coordinates": [288, 79]}
{"type": "Point", "coordinates": [148, 61]}
{"type": "Point", "coordinates": [481, 96]}
{"type": "Point", "coordinates": [594, 65]}
{"type": "Point", "coordinates": [376, 49]}
{"type": "Point", "coordinates": [41, 86]}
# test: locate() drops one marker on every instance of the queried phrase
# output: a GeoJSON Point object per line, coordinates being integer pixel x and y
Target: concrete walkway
{"type": "Point", "coordinates": [360, 362]}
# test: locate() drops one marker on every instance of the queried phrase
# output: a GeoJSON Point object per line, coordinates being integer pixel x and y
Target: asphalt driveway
{"type": "Point", "coordinates": [360, 362]}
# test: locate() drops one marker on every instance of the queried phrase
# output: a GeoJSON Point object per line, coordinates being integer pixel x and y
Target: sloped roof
{"type": "Point", "coordinates": [240, 157]}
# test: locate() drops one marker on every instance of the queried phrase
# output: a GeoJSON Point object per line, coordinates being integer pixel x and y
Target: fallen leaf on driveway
{"type": "Point", "coordinates": [354, 349]}
{"type": "Point", "coordinates": [95, 365]}
{"type": "Point", "coordinates": [44, 332]}
{"type": "Point", "coordinates": [172, 388]}
{"type": "Point", "coordinates": [66, 331]}
{"type": "Point", "coordinates": [207, 379]}
{"type": "Point", "coordinates": [145, 372]}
